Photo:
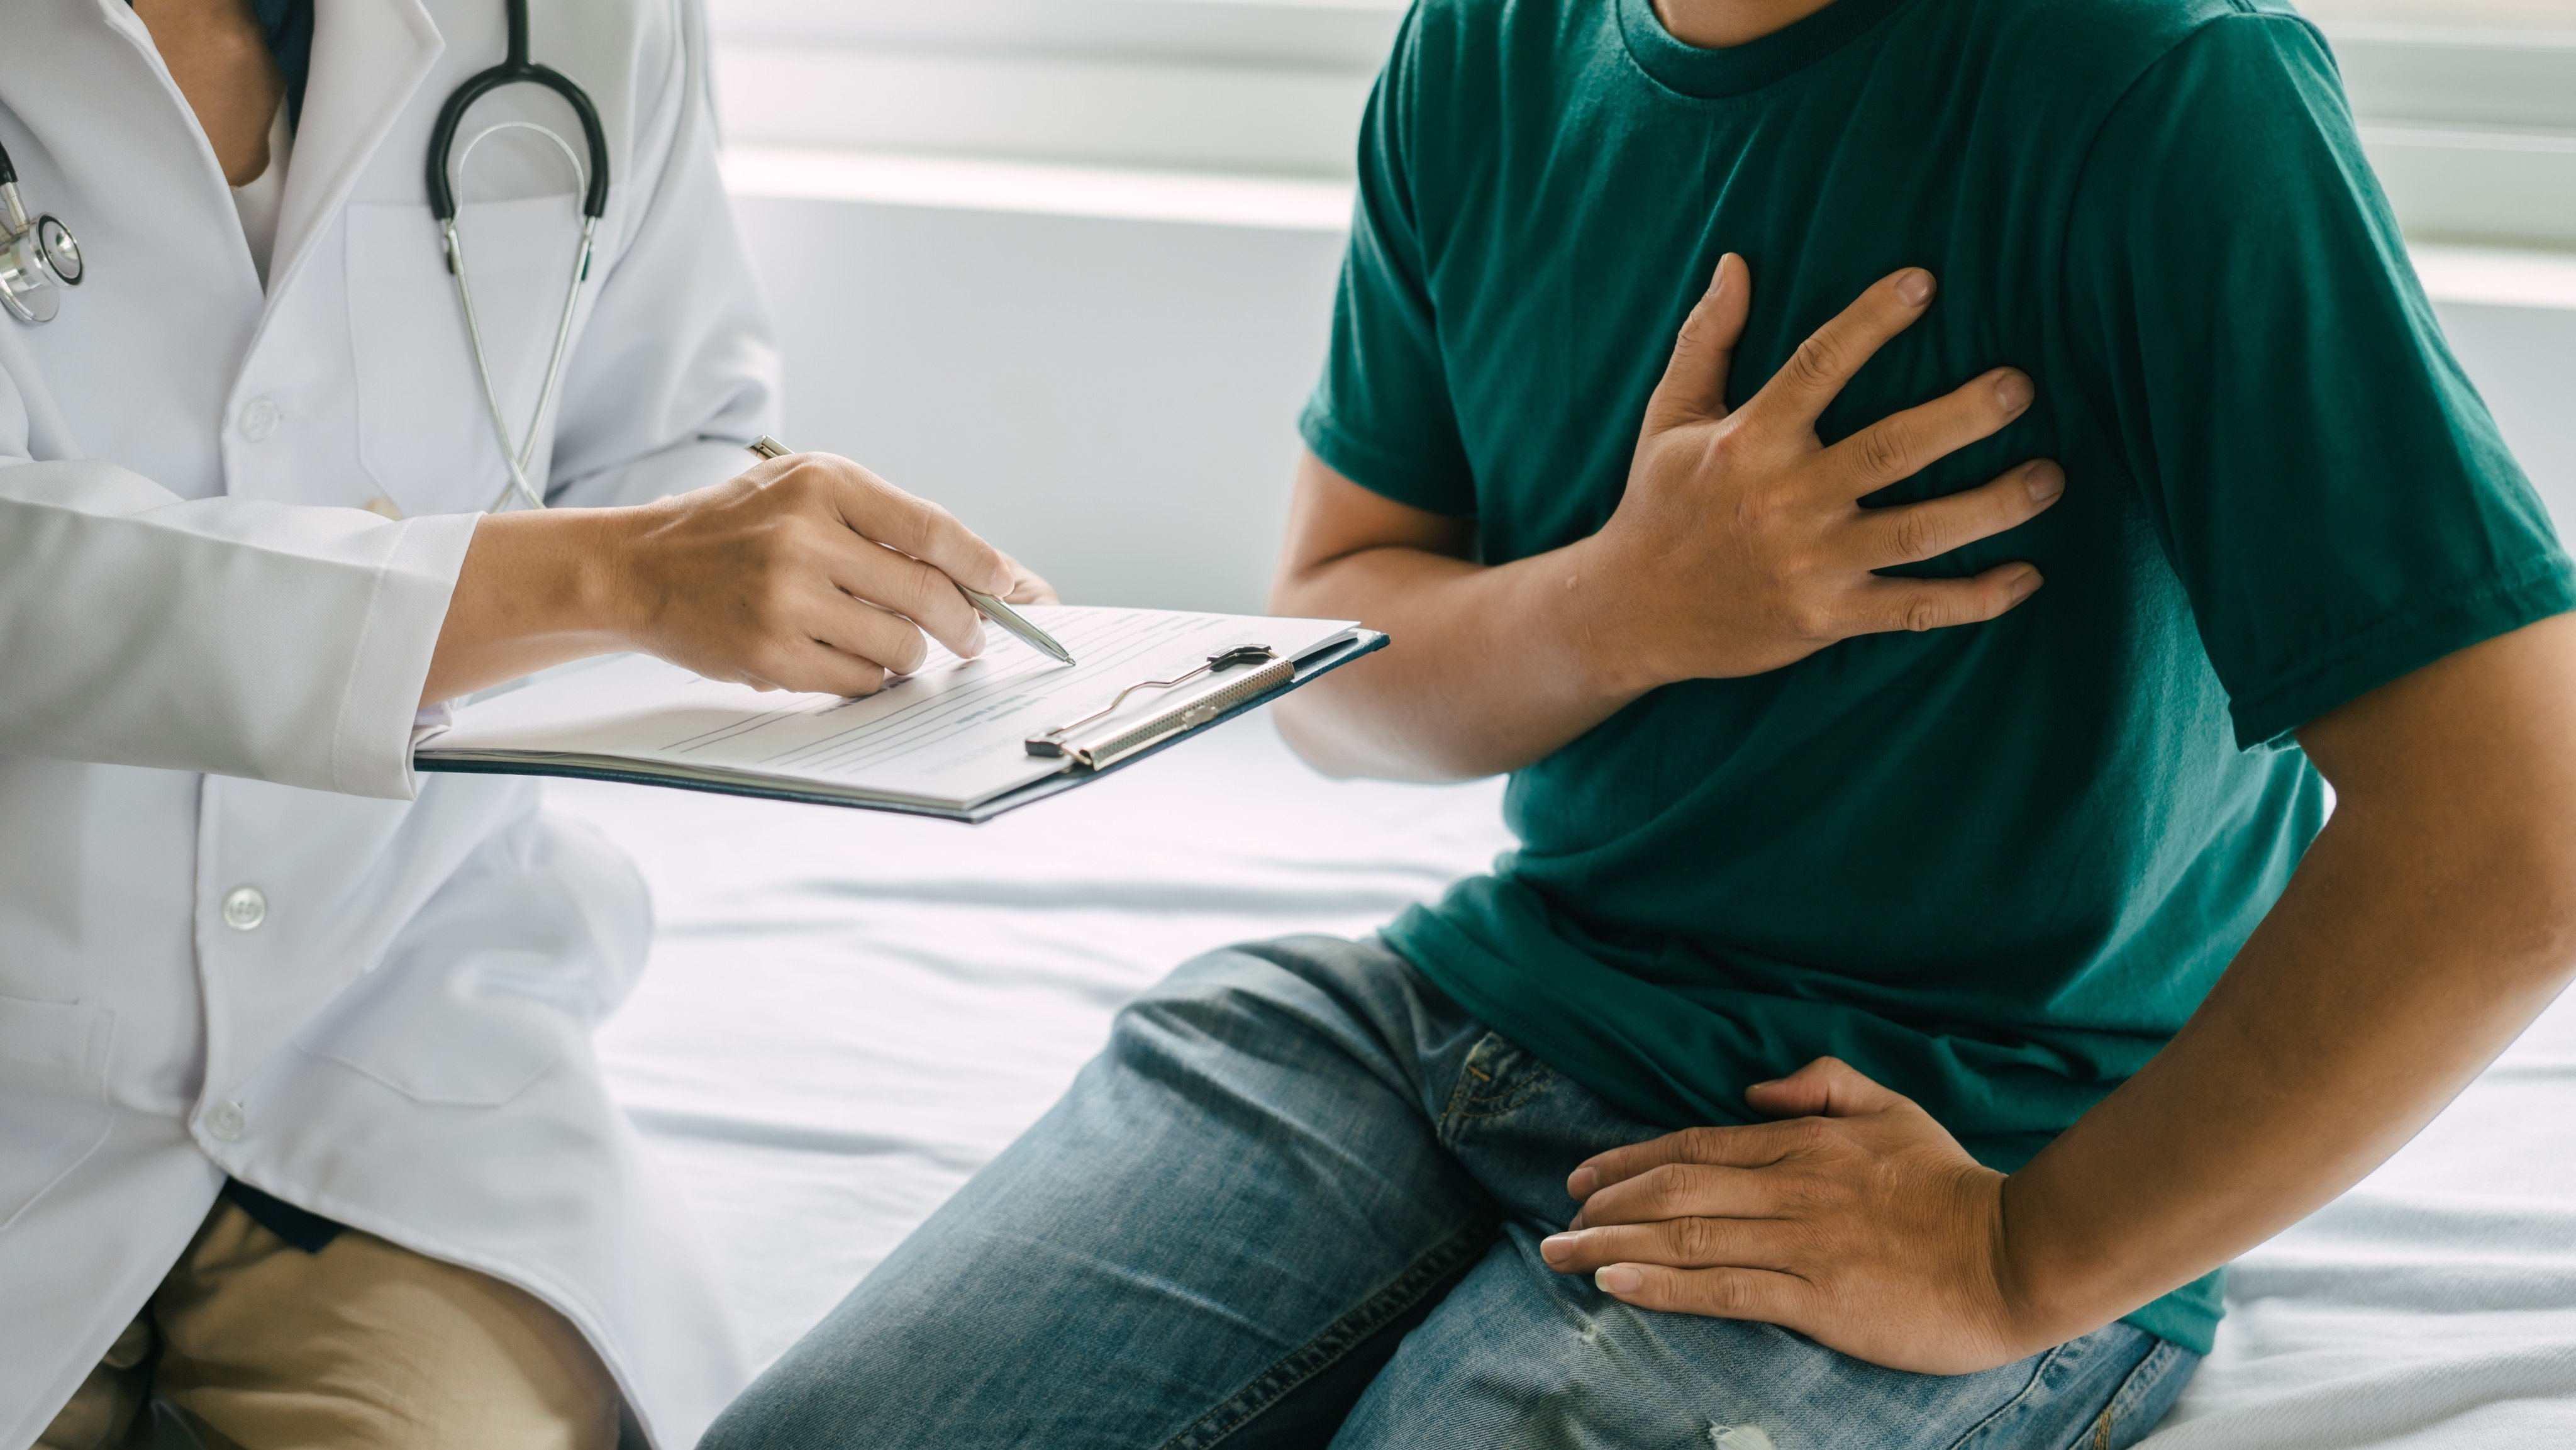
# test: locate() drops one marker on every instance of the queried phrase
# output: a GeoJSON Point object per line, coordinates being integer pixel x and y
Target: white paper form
{"type": "Point", "coordinates": [952, 733]}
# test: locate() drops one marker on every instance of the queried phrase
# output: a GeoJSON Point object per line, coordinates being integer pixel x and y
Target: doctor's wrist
{"type": "Point", "coordinates": [536, 589]}
{"type": "Point", "coordinates": [565, 573]}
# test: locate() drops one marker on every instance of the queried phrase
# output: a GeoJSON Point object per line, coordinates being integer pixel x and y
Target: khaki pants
{"type": "Point", "coordinates": [262, 1346]}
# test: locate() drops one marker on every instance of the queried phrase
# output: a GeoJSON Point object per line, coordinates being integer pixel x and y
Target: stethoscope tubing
{"type": "Point", "coordinates": [515, 68]}
{"type": "Point", "coordinates": [444, 165]}
{"type": "Point", "coordinates": [517, 454]}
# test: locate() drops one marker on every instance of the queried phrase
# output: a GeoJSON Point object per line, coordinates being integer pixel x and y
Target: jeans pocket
{"type": "Point", "coordinates": [1499, 1076]}
{"type": "Point", "coordinates": [2141, 1400]}
{"type": "Point", "coordinates": [2108, 1388]}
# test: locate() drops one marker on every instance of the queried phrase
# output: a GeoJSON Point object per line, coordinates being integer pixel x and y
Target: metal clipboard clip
{"type": "Point", "coordinates": [1112, 743]}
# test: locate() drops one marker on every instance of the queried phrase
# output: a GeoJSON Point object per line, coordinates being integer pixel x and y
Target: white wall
{"type": "Point", "coordinates": [1113, 401]}
{"type": "Point", "coordinates": [2523, 360]}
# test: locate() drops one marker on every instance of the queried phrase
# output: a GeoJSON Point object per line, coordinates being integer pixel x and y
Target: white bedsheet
{"type": "Point", "coordinates": [848, 1012]}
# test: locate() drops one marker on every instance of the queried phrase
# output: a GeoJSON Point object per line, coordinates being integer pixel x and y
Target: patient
{"type": "Point", "coordinates": [1986, 942]}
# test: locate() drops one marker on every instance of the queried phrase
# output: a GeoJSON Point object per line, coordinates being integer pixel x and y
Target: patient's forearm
{"type": "Point", "coordinates": [1490, 668]}
{"type": "Point", "coordinates": [2427, 926]}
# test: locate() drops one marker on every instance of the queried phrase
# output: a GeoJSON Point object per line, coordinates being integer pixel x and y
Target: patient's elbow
{"type": "Point", "coordinates": [1304, 723]}
{"type": "Point", "coordinates": [2523, 870]}
{"type": "Point", "coordinates": [2543, 924]}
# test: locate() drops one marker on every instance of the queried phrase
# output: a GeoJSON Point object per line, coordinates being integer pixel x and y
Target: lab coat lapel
{"type": "Point", "coordinates": [369, 57]}
{"type": "Point", "coordinates": [103, 140]}
{"type": "Point", "coordinates": [98, 111]}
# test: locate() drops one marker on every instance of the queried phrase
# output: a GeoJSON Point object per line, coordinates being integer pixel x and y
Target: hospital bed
{"type": "Point", "coordinates": [848, 1013]}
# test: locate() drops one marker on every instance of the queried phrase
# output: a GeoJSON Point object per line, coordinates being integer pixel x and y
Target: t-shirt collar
{"type": "Point", "coordinates": [1740, 69]}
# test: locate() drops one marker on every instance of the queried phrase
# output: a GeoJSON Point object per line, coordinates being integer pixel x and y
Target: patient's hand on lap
{"type": "Point", "coordinates": [1857, 1221]}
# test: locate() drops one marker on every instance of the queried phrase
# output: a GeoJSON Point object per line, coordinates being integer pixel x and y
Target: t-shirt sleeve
{"type": "Point", "coordinates": [1381, 416]}
{"type": "Point", "coordinates": [2329, 487]}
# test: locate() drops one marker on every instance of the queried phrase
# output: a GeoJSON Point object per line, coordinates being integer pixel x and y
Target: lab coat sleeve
{"type": "Point", "coordinates": [693, 376]}
{"type": "Point", "coordinates": [225, 635]}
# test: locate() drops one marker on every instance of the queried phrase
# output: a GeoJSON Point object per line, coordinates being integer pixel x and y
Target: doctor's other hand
{"type": "Point", "coordinates": [806, 572]}
{"type": "Point", "coordinates": [1857, 1221]}
{"type": "Point", "coordinates": [1026, 585]}
{"type": "Point", "coordinates": [1740, 544]}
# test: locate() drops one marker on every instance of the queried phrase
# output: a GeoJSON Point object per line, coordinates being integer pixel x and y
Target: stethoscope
{"type": "Point", "coordinates": [517, 453]}
{"type": "Point", "coordinates": [40, 258]}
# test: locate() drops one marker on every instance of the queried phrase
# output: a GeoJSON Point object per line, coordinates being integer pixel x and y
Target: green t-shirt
{"type": "Point", "coordinates": [1993, 867]}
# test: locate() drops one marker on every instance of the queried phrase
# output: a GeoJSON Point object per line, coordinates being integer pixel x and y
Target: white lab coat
{"type": "Point", "coordinates": [210, 658]}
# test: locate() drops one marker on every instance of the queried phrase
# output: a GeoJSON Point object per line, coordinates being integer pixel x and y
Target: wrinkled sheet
{"type": "Point", "coordinates": [848, 1012]}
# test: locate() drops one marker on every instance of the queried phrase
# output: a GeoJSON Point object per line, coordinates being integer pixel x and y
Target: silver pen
{"type": "Point", "coordinates": [993, 609]}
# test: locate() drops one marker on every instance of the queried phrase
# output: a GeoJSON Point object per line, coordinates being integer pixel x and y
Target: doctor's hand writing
{"type": "Point", "coordinates": [1857, 1221]}
{"type": "Point", "coordinates": [805, 572]}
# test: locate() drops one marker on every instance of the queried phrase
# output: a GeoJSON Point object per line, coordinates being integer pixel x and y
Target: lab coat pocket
{"type": "Point", "coordinates": [424, 430]}
{"type": "Point", "coordinates": [53, 1094]}
{"type": "Point", "coordinates": [504, 971]}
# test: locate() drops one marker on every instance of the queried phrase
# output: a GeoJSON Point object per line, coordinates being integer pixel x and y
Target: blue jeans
{"type": "Point", "coordinates": [1297, 1202]}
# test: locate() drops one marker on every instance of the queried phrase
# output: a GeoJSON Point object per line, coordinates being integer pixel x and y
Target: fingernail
{"type": "Point", "coordinates": [1759, 1086]}
{"type": "Point", "coordinates": [1556, 1247]}
{"type": "Point", "coordinates": [2045, 481]}
{"type": "Point", "coordinates": [1618, 1279]}
{"type": "Point", "coordinates": [2013, 390]}
{"type": "Point", "coordinates": [1915, 286]}
{"type": "Point", "coordinates": [1575, 1224]}
{"type": "Point", "coordinates": [2023, 586]}
{"type": "Point", "coordinates": [1581, 1182]}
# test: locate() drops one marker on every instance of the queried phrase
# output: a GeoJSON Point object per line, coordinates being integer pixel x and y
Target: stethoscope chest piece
{"type": "Point", "coordinates": [38, 259]}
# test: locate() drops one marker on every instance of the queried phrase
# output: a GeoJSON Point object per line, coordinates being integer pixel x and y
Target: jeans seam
{"type": "Point", "coordinates": [1449, 1110]}
{"type": "Point", "coordinates": [2038, 1372]}
{"type": "Point", "coordinates": [1519, 1099]}
{"type": "Point", "coordinates": [1459, 1092]}
{"type": "Point", "coordinates": [1338, 1338]}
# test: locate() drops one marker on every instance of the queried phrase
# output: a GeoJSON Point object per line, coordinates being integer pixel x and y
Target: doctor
{"type": "Point", "coordinates": [299, 1123]}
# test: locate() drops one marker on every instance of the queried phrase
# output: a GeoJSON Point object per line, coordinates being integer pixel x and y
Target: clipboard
{"type": "Point", "coordinates": [1360, 643]}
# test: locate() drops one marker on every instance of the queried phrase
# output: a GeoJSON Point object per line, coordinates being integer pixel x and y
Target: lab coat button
{"type": "Point", "coordinates": [226, 1122]}
{"type": "Point", "coordinates": [245, 907]}
{"type": "Point", "coordinates": [258, 419]}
